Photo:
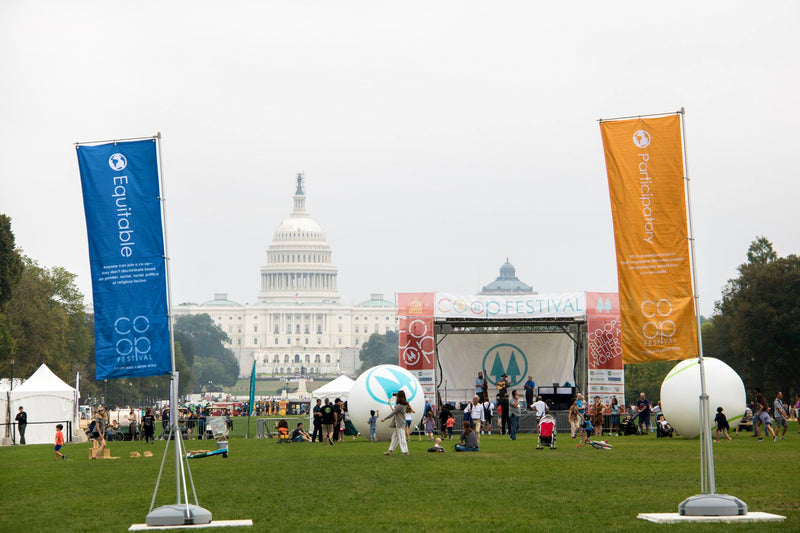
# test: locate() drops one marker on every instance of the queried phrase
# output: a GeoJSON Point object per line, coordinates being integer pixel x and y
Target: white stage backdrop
{"type": "Point", "coordinates": [547, 357]}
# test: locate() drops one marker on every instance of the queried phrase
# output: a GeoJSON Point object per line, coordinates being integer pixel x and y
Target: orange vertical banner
{"type": "Point", "coordinates": [644, 160]}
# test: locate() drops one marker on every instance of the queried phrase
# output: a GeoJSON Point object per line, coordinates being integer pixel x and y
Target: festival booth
{"type": "Point", "coordinates": [338, 388]}
{"type": "Point", "coordinates": [48, 401]}
{"type": "Point", "coordinates": [567, 343]}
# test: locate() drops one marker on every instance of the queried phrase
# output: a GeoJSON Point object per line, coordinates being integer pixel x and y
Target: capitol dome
{"type": "Point", "coordinates": [299, 265]}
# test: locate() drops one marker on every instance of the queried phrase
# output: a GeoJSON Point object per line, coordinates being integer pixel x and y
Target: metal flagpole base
{"type": "Point", "coordinates": [712, 505]}
{"type": "Point", "coordinates": [178, 515]}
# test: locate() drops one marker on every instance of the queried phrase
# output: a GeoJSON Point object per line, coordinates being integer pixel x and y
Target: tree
{"type": "Point", "coordinates": [47, 321]}
{"type": "Point", "coordinates": [203, 343]}
{"type": "Point", "coordinates": [756, 324]}
{"type": "Point", "coordinates": [761, 252]}
{"type": "Point", "coordinates": [646, 378]}
{"type": "Point", "coordinates": [11, 264]}
{"type": "Point", "coordinates": [379, 350]}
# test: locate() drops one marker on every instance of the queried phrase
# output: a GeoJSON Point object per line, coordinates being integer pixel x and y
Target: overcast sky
{"type": "Point", "coordinates": [437, 138]}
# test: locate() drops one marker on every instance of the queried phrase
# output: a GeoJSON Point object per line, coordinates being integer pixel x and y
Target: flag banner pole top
{"type": "Point", "coordinates": [679, 112]}
{"type": "Point", "coordinates": [115, 141]}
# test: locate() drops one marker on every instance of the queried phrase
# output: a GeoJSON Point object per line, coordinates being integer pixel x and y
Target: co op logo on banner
{"type": "Point", "coordinates": [604, 343]}
{"type": "Point", "coordinates": [419, 343]}
{"type": "Point", "coordinates": [132, 344]}
{"type": "Point", "coordinates": [445, 305]}
{"type": "Point", "coordinates": [659, 328]}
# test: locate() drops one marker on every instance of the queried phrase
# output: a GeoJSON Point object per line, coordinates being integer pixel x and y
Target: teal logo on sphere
{"type": "Point", "coordinates": [383, 382]}
{"type": "Point", "coordinates": [502, 359]}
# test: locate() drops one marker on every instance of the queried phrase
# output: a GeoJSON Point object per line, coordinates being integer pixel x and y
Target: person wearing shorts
{"type": "Point", "coordinates": [614, 421]}
{"type": "Point", "coordinates": [780, 415]}
{"type": "Point", "coordinates": [763, 416]}
{"type": "Point", "coordinates": [59, 442]}
{"type": "Point", "coordinates": [328, 421]}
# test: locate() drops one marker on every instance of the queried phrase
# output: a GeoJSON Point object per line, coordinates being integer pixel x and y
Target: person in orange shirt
{"type": "Point", "coordinates": [450, 423]}
{"type": "Point", "coordinates": [59, 442]}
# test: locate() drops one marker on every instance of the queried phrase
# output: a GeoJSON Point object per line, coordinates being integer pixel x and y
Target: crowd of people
{"type": "Point", "coordinates": [481, 416]}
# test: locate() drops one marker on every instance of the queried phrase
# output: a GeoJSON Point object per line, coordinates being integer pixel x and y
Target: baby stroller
{"type": "Point", "coordinates": [628, 426]}
{"type": "Point", "coordinates": [663, 429]}
{"type": "Point", "coordinates": [547, 432]}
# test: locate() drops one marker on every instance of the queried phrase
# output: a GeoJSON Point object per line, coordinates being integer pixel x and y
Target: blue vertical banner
{"type": "Point", "coordinates": [252, 405]}
{"type": "Point", "coordinates": [121, 199]}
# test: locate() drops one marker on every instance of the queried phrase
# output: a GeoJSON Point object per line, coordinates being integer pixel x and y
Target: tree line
{"type": "Point", "coordinates": [42, 320]}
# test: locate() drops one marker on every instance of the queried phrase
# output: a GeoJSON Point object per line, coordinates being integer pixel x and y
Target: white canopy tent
{"type": "Point", "coordinates": [5, 388]}
{"type": "Point", "coordinates": [48, 401]}
{"type": "Point", "coordinates": [338, 388]}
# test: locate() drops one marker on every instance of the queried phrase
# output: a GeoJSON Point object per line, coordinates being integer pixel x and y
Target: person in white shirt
{"type": "Point", "coordinates": [540, 407]}
{"type": "Point", "coordinates": [475, 410]}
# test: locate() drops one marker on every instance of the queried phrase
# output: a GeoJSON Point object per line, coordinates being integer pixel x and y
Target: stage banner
{"type": "Point", "coordinates": [644, 160]}
{"type": "Point", "coordinates": [604, 349]}
{"type": "Point", "coordinates": [566, 305]}
{"type": "Point", "coordinates": [120, 184]}
{"type": "Point", "coordinates": [547, 357]}
{"type": "Point", "coordinates": [415, 339]}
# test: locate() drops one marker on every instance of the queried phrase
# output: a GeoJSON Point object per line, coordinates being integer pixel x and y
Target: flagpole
{"type": "Point", "coordinates": [708, 503]}
{"type": "Point", "coordinates": [707, 480]}
{"type": "Point", "coordinates": [179, 513]}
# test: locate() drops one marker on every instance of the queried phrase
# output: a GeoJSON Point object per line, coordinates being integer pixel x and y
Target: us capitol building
{"type": "Point", "coordinates": [298, 325]}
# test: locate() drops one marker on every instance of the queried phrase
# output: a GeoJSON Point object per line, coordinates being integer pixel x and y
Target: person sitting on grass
{"type": "Point", "coordinates": [437, 446]}
{"type": "Point", "coordinates": [300, 435]}
{"type": "Point", "coordinates": [469, 440]}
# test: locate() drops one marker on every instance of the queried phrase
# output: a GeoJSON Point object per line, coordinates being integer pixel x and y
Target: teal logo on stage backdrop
{"type": "Point", "coordinates": [382, 382]}
{"type": "Point", "coordinates": [502, 359]}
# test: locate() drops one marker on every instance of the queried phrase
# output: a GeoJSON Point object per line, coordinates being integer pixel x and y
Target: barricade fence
{"type": "Point", "coordinates": [195, 428]}
{"type": "Point", "coordinates": [10, 429]}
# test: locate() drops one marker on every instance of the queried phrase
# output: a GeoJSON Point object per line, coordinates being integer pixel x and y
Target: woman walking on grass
{"type": "Point", "coordinates": [398, 423]}
{"type": "Point", "coordinates": [574, 418]}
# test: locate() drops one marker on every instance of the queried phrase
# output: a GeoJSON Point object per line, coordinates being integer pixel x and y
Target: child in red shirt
{"type": "Point", "coordinates": [59, 442]}
{"type": "Point", "coordinates": [450, 421]}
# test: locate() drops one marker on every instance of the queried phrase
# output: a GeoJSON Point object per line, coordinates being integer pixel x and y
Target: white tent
{"type": "Point", "coordinates": [338, 388]}
{"type": "Point", "coordinates": [5, 387]}
{"type": "Point", "coordinates": [48, 401]}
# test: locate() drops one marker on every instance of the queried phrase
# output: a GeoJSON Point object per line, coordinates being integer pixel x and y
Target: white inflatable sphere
{"type": "Point", "coordinates": [680, 393]}
{"type": "Point", "coordinates": [373, 390]}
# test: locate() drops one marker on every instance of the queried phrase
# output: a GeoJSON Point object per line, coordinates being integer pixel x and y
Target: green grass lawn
{"type": "Point", "coordinates": [507, 486]}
